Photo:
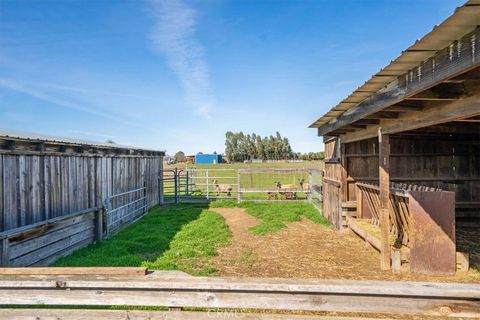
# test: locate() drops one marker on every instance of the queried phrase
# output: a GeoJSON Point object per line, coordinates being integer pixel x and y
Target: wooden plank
{"type": "Point", "coordinates": [45, 237]}
{"type": "Point", "coordinates": [54, 250]}
{"type": "Point", "coordinates": [384, 177]}
{"type": "Point", "coordinates": [274, 294]}
{"type": "Point", "coordinates": [72, 314]}
{"type": "Point", "coordinates": [374, 241]}
{"type": "Point", "coordinates": [116, 271]}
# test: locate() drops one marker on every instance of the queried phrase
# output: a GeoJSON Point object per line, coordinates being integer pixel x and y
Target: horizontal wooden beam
{"type": "Point", "coordinates": [178, 291]}
{"type": "Point", "coordinates": [75, 271]}
{"type": "Point", "coordinates": [430, 116]}
{"type": "Point", "coordinates": [73, 314]}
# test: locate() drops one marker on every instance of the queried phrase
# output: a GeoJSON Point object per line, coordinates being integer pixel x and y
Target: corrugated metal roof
{"type": "Point", "coordinates": [464, 20]}
{"type": "Point", "coordinates": [35, 137]}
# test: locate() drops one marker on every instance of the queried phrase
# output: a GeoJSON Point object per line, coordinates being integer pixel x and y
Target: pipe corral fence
{"type": "Point", "coordinates": [58, 195]}
{"type": "Point", "coordinates": [266, 184]}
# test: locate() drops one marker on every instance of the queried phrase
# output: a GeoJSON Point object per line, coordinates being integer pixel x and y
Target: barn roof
{"type": "Point", "coordinates": [464, 20]}
{"type": "Point", "coordinates": [23, 137]}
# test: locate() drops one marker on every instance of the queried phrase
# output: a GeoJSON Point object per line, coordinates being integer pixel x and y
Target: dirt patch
{"type": "Point", "coordinates": [303, 250]}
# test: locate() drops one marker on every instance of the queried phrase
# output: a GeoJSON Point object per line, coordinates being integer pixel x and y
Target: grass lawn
{"type": "Point", "coordinates": [184, 236]}
{"type": "Point", "coordinates": [175, 237]}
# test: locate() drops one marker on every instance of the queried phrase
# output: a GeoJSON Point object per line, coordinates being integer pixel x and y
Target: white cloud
{"type": "Point", "coordinates": [173, 36]}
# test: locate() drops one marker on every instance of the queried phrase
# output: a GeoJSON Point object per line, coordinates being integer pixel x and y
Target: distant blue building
{"type": "Point", "coordinates": [208, 158]}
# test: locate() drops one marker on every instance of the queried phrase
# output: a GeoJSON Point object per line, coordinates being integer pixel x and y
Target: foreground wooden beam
{"type": "Point", "coordinates": [59, 314]}
{"type": "Point", "coordinates": [176, 290]}
{"type": "Point", "coordinates": [125, 271]}
{"type": "Point", "coordinates": [384, 178]}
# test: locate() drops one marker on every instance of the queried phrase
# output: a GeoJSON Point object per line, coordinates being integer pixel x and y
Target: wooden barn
{"type": "Point", "coordinates": [59, 194]}
{"type": "Point", "coordinates": [403, 153]}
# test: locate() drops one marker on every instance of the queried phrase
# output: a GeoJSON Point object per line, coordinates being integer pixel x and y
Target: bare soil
{"type": "Point", "coordinates": [305, 250]}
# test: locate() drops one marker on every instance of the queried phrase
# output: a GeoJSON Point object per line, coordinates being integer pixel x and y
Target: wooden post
{"type": "Point", "coordinates": [384, 178]}
{"type": "Point", "coordinates": [4, 254]}
{"type": "Point", "coordinates": [343, 183]}
{"type": "Point", "coordinates": [99, 224]}
{"type": "Point", "coordinates": [359, 199]}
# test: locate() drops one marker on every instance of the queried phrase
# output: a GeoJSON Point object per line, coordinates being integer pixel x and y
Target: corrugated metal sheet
{"type": "Point", "coordinates": [464, 20]}
{"type": "Point", "coordinates": [34, 137]}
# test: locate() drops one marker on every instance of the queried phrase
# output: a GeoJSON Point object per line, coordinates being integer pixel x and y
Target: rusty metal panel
{"type": "Point", "coordinates": [433, 244]}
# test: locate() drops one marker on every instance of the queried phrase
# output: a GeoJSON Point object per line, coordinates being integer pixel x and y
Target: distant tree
{"type": "Point", "coordinates": [179, 156]}
{"type": "Point", "coordinates": [110, 141]}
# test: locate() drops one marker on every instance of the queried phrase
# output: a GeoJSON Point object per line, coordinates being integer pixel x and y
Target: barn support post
{"type": "Point", "coordinates": [343, 183]}
{"type": "Point", "coordinates": [384, 179]}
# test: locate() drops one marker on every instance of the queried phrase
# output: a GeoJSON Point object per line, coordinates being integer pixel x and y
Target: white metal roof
{"type": "Point", "coordinates": [35, 137]}
{"type": "Point", "coordinates": [464, 20]}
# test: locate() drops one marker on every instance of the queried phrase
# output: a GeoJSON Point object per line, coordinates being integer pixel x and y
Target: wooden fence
{"type": "Point", "coordinates": [177, 290]}
{"type": "Point", "coordinates": [36, 188]}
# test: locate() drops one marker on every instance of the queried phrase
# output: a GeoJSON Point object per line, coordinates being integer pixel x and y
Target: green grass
{"type": "Point", "coordinates": [274, 215]}
{"type": "Point", "coordinates": [176, 237]}
{"type": "Point", "coordinates": [185, 237]}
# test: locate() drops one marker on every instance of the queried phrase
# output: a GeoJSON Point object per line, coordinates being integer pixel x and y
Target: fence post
{"type": "Point", "coordinates": [106, 227]}
{"type": "Point", "coordinates": [206, 177]}
{"type": "Point", "coordinates": [99, 224]}
{"type": "Point", "coordinates": [4, 254]}
{"type": "Point", "coordinates": [186, 182]}
{"type": "Point", "coordinates": [175, 184]}
{"type": "Point", "coordinates": [160, 188]}
{"type": "Point", "coordinates": [310, 184]}
{"type": "Point", "coordinates": [359, 198]}
{"type": "Point", "coordinates": [239, 193]}
{"type": "Point", "coordinates": [145, 201]}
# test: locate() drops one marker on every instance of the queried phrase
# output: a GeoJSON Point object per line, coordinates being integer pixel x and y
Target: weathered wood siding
{"type": "Point", "coordinates": [332, 184]}
{"type": "Point", "coordinates": [447, 164]}
{"type": "Point", "coordinates": [35, 188]}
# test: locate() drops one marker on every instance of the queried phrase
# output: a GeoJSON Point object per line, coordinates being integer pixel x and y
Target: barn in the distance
{"type": "Point", "coordinates": [403, 152]}
{"type": "Point", "coordinates": [203, 158]}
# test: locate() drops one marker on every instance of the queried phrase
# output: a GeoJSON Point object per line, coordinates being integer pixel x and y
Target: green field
{"type": "Point", "coordinates": [201, 179]}
{"type": "Point", "coordinates": [183, 237]}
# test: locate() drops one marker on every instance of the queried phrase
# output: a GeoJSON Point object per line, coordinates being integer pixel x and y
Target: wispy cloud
{"type": "Point", "coordinates": [173, 36]}
{"type": "Point", "coordinates": [38, 94]}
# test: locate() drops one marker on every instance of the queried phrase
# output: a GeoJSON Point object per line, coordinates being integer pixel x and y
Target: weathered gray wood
{"type": "Point", "coordinates": [176, 290]}
{"type": "Point", "coordinates": [58, 233]}
{"type": "Point", "coordinates": [117, 271]}
{"type": "Point", "coordinates": [62, 314]}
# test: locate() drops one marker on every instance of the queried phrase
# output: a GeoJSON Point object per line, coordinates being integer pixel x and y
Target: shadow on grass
{"type": "Point", "coordinates": [140, 244]}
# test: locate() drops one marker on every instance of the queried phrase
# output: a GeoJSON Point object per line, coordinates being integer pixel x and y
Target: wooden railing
{"type": "Point", "coordinates": [273, 298]}
{"type": "Point", "coordinates": [400, 217]}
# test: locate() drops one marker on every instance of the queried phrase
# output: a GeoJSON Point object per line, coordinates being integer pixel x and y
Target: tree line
{"type": "Point", "coordinates": [241, 147]}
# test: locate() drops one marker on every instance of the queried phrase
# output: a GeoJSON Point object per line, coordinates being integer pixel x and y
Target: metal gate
{"type": "Point", "coordinates": [265, 184]}
{"type": "Point", "coordinates": [199, 185]}
{"type": "Point", "coordinates": [124, 208]}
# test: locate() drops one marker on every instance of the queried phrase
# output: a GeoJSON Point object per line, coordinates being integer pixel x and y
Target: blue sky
{"type": "Point", "coordinates": [177, 74]}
